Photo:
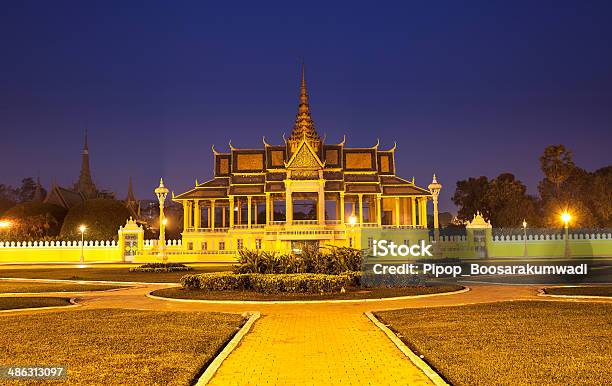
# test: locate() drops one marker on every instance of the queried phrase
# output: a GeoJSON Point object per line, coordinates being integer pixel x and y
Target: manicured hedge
{"type": "Point", "coordinates": [269, 283]}
{"type": "Point", "coordinates": [161, 267]}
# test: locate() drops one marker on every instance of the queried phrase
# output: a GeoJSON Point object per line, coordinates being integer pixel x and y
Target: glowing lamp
{"type": "Point", "coordinates": [566, 217]}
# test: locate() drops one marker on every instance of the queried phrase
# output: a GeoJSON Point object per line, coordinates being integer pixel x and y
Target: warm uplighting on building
{"type": "Point", "coordinates": [165, 221]}
{"type": "Point", "coordinates": [4, 224]}
{"type": "Point", "coordinates": [352, 220]}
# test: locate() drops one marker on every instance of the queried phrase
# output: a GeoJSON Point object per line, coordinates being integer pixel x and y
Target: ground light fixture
{"type": "Point", "coordinates": [82, 229]}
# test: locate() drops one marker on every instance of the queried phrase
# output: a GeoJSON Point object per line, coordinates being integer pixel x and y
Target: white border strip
{"type": "Point", "coordinates": [257, 302]}
{"type": "Point", "coordinates": [125, 283]}
{"type": "Point", "coordinates": [16, 310]}
{"type": "Point", "coordinates": [418, 362]}
{"type": "Point", "coordinates": [233, 343]}
{"type": "Point", "coordinates": [543, 294]}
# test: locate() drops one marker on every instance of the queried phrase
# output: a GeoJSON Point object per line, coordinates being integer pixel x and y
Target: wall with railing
{"type": "Point", "coordinates": [547, 244]}
{"type": "Point", "coordinates": [59, 251]}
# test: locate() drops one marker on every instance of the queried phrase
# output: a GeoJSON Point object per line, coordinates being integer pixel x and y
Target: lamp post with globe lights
{"type": "Point", "coordinates": [162, 192]}
{"type": "Point", "coordinates": [566, 218]}
{"type": "Point", "coordinates": [435, 188]}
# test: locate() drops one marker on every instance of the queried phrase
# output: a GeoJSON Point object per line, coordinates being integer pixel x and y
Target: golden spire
{"type": "Point", "coordinates": [304, 126]}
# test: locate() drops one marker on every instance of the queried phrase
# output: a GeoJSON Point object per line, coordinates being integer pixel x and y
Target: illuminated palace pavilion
{"type": "Point", "coordinates": [305, 192]}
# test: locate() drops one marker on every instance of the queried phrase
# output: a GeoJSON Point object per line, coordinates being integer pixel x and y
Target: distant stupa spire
{"type": "Point", "coordinates": [38, 196]}
{"type": "Point", "coordinates": [304, 127]}
{"type": "Point", "coordinates": [85, 183]}
{"type": "Point", "coordinates": [130, 201]}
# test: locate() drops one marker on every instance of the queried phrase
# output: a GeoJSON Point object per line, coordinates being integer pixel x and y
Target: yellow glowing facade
{"type": "Point", "coordinates": [305, 191]}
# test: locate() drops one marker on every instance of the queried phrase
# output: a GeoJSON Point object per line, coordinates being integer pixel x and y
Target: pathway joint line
{"type": "Point", "coordinates": [231, 346]}
{"type": "Point", "coordinates": [418, 362]}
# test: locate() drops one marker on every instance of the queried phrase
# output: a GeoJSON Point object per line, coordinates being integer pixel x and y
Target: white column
{"type": "Point", "coordinates": [212, 214]}
{"type": "Point", "coordinates": [249, 214]}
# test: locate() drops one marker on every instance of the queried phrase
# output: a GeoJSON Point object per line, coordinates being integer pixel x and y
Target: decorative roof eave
{"type": "Point", "coordinates": [215, 152]}
{"type": "Point", "coordinates": [204, 194]}
{"type": "Point", "coordinates": [390, 150]}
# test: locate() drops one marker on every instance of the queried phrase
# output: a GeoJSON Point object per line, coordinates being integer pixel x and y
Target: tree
{"type": "Point", "coordinates": [27, 189]}
{"type": "Point", "coordinates": [101, 216]}
{"type": "Point", "coordinates": [34, 220]}
{"type": "Point", "coordinates": [470, 197]}
{"type": "Point", "coordinates": [557, 164]}
{"type": "Point", "coordinates": [509, 202]}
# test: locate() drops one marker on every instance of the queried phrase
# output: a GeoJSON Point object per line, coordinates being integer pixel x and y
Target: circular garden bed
{"type": "Point", "coordinates": [352, 293]}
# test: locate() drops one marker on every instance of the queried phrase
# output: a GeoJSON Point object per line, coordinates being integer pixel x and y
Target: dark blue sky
{"type": "Point", "coordinates": [465, 89]}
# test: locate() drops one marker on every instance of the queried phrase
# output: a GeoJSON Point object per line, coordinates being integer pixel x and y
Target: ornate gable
{"type": "Point", "coordinates": [304, 158]}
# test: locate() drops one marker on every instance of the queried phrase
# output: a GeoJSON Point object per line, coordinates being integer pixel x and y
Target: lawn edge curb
{"type": "Point", "coordinates": [418, 362]}
{"type": "Point", "coordinates": [125, 283]}
{"type": "Point", "coordinates": [543, 294]}
{"type": "Point", "coordinates": [73, 304]}
{"type": "Point", "coordinates": [260, 302]}
{"type": "Point", "coordinates": [212, 368]}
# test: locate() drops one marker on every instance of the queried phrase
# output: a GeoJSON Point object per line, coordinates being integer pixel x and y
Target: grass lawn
{"type": "Point", "coordinates": [125, 347]}
{"type": "Point", "coordinates": [523, 342]}
{"type": "Point", "coordinates": [580, 291]}
{"type": "Point", "coordinates": [28, 287]}
{"type": "Point", "coordinates": [360, 293]}
{"type": "Point", "coordinates": [105, 273]}
{"type": "Point", "coordinates": [14, 303]}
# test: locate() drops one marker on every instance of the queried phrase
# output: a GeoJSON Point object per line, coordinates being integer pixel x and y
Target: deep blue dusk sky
{"type": "Point", "coordinates": [465, 90]}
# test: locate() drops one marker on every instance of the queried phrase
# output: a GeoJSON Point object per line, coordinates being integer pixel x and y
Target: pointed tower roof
{"type": "Point", "coordinates": [131, 203]}
{"type": "Point", "coordinates": [85, 183]}
{"type": "Point", "coordinates": [130, 193]}
{"type": "Point", "coordinates": [303, 127]}
{"type": "Point", "coordinates": [38, 193]}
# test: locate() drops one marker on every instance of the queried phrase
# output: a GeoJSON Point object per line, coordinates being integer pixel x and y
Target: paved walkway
{"type": "Point", "coordinates": [324, 343]}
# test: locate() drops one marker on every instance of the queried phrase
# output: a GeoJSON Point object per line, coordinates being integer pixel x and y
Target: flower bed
{"type": "Point", "coordinates": [269, 283]}
{"type": "Point", "coordinates": [161, 267]}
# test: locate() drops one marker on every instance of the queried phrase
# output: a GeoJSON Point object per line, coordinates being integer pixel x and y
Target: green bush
{"type": "Point", "coordinates": [268, 283]}
{"type": "Point", "coordinates": [161, 267]}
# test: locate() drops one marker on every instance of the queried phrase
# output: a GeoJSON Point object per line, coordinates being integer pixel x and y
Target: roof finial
{"type": "Point", "coordinates": [304, 126]}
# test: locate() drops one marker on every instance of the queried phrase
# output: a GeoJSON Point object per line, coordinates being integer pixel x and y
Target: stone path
{"type": "Point", "coordinates": [323, 343]}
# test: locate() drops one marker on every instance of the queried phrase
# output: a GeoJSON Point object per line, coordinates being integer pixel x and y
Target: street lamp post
{"type": "Point", "coordinates": [82, 229]}
{"type": "Point", "coordinates": [161, 192]}
{"type": "Point", "coordinates": [435, 188]}
{"type": "Point", "coordinates": [566, 217]}
{"type": "Point", "coordinates": [525, 238]}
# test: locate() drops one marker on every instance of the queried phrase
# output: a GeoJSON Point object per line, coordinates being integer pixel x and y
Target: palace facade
{"type": "Point", "coordinates": [303, 192]}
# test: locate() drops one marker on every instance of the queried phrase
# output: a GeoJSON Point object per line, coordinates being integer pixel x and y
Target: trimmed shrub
{"type": "Point", "coordinates": [161, 267]}
{"type": "Point", "coordinates": [268, 283]}
{"type": "Point", "coordinates": [216, 281]}
{"type": "Point", "coordinates": [335, 261]}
